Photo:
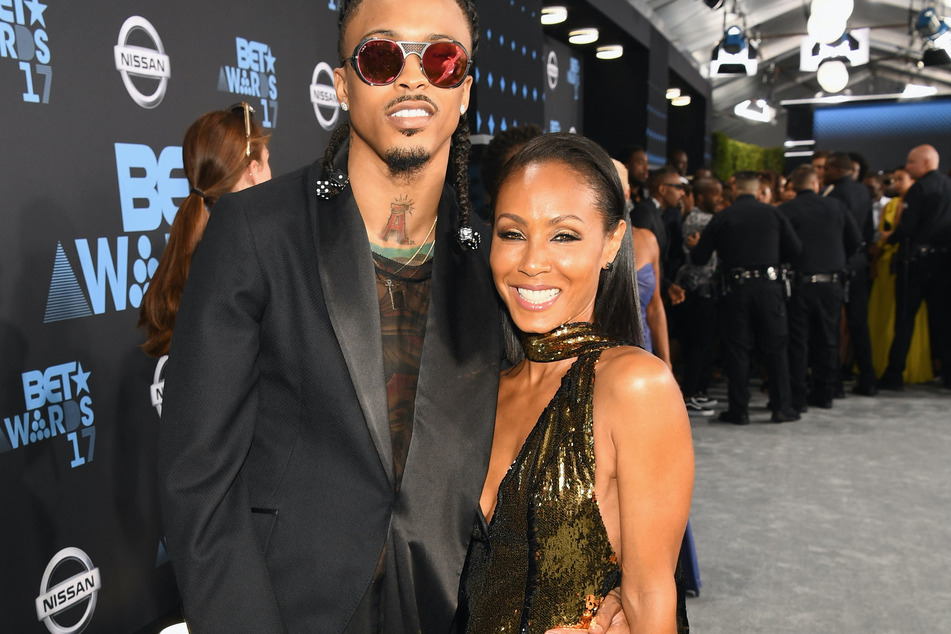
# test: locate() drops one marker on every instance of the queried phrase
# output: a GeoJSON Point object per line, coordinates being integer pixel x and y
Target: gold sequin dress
{"type": "Point", "coordinates": [545, 560]}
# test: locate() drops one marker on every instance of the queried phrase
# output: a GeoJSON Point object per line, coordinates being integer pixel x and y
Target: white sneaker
{"type": "Point", "coordinates": [696, 410]}
{"type": "Point", "coordinates": [704, 401]}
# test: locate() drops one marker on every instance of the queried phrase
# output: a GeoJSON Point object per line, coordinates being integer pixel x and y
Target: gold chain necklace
{"type": "Point", "coordinates": [421, 245]}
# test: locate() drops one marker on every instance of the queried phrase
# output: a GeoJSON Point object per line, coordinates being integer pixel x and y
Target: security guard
{"type": "Point", "coordinates": [751, 240]}
{"type": "Point", "coordinates": [924, 263]}
{"type": "Point", "coordinates": [855, 196]}
{"type": "Point", "coordinates": [829, 236]}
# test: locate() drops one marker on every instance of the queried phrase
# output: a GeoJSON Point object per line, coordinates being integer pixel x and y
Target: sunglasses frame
{"type": "Point", "coordinates": [418, 49]}
{"type": "Point", "coordinates": [248, 111]}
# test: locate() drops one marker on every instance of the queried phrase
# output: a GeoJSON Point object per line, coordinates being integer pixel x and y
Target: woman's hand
{"type": "Point", "coordinates": [610, 618]}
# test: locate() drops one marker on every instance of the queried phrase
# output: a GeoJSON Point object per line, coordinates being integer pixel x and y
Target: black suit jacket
{"type": "Point", "coordinates": [276, 468]}
{"type": "Point", "coordinates": [647, 215]}
{"type": "Point", "coordinates": [857, 198]}
{"type": "Point", "coordinates": [927, 215]}
{"type": "Point", "coordinates": [827, 231]}
{"type": "Point", "coordinates": [748, 233]}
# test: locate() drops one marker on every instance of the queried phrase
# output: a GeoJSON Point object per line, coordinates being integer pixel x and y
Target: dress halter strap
{"type": "Point", "coordinates": [565, 342]}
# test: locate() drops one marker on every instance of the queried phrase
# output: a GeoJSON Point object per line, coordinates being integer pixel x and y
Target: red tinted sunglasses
{"type": "Point", "coordinates": [379, 61]}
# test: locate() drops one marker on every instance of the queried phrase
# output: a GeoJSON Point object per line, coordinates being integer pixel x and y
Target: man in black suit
{"type": "Point", "coordinates": [661, 214]}
{"type": "Point", "coordinates": [855, 196]}
{"type": "Point", "coordinates": [829, 235]}
{"type": "Point", "coordinates": [924, 264]}
{"type": "Point", "coordinates": [752, 239]}
{"type": "Point", "coordinates": [330, 392]}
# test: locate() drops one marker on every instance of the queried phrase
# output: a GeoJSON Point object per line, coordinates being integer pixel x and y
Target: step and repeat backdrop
{"type": "Point", "coordinates": [96, 98]}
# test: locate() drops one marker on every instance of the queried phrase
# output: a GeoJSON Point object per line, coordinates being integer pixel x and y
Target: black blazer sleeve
{"type": "Point", "coordinates": [851, 237]}
{"type": "Point", "coordinates": [790, 246]}
{"type": "Point", "coordinates": [206, 431]}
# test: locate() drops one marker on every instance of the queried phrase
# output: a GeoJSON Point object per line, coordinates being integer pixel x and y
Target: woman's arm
{"type": "Point", "coordinates": [646, 456]}
{"type": "Point", "coordinates": [656, 315]}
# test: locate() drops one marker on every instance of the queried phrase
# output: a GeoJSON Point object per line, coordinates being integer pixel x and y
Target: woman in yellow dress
{"type": "Point", "coordinates": [881, 304]}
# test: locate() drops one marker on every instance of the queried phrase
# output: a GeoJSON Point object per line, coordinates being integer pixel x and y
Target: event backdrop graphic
{"type": "Point", "coordinates": [96, 98]}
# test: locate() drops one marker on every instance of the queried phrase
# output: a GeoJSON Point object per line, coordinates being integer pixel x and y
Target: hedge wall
{"type": "Point", "coordinates": [730, 156]}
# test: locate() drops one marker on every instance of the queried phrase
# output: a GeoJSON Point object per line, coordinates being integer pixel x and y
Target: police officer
{"type": "Point", "coordinates": [829, 236]}
{"type": "Point", "coordinates": [855, 196]}
{"type": "Point", "coordinates": [924, 263]}
{"type": "Point", "coordinates": [751, 240]}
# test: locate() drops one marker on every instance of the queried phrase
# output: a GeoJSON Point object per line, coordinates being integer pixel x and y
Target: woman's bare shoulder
{"type": "Point", "coordinates": [632, 379]}
{"type": "Point", "coordinates": [631, 364]}
{"type": "Point", "coordinates": [645, 241]}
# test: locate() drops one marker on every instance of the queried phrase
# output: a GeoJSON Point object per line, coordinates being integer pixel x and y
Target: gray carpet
{"type": "Point", "coordinates": [840, 522]}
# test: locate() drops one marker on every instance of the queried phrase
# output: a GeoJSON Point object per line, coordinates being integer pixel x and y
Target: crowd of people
{"type": "Point", "coordinates": [830, 275]}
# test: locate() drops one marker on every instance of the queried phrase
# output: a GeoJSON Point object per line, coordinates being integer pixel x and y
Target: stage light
{"type": "Point", "coordinates": [930, 25]}
{"type": "Point", "coordinates": [733, 40]}
{"type": "Point", "coordinates": [853, 46]}
{"type": "Point", "coordinates": [673, 93]}
{"type": "Point", "coordinates": [799, 143]}
{"type": "Point", "coordinates": [733, 55]}
{"type": "Point", "coordinates": [912, 91]}
{"type": "Point", "coordinates": [682, 100]}
{"type": "Point", "coordinates": [833, 75]}
{"type": "Point", "coordinates": [554, 15]}
{"type": "Point", "coordinates": [936, 31]}
{"type": "Point", "coordinates": [837, 9]}
{"type": "Point", "coordinates": [825, 29]}
{"type": "Point", "coordinates": [609, 51]}
{"type": "Point", "coordinates": [583, 36]}
{"type": "Point", "coordinates": [758, 110]}
{"type": "Point", "coordinates": [935, 57]}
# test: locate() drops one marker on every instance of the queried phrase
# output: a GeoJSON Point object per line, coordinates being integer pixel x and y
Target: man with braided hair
{"type": "Point", "coordinates": [330, 400]}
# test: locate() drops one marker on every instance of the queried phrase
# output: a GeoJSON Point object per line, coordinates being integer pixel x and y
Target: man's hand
{"type": "Point", "coordinates": [676, 293]}
{"type": "Point", "coordinates": [692, 239]}
{"type": "Point", "coordinates": [610, 618]}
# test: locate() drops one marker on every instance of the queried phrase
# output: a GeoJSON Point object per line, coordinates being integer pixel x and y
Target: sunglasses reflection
{"type": "Point", "coordinates": [380, 61]}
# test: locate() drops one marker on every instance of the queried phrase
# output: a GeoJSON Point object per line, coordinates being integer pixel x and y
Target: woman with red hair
{"type": "Point", "coordinates": [223, 151]}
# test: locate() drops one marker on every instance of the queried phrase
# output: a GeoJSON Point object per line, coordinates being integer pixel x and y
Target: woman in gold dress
{"type": "Point", "coordinates": [881, 303]}
{"type": "Point", "coordinates": [588, 481]}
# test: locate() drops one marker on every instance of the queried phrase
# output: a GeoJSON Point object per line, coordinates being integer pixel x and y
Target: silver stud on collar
{"type": "Point", "coordinates": [468, 238]}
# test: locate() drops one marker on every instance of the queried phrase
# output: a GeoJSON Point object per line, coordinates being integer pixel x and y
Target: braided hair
{"type": "Point", "coordinates": [458, 168]}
